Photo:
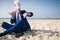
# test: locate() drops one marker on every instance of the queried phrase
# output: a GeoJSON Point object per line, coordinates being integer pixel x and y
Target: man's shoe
{"type": "Point", "coordinates": [13, 33]}
{"type": "Point", "coordinates": [19, 34]}
{"type": "Point", "coordinates": [1, 34]}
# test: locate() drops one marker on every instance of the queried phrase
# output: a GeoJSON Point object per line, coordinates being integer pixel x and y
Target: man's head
{"type": "Point", "coordinates": [17, 5]}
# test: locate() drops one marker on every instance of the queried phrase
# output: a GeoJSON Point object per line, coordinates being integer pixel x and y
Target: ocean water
{"type": "Point", "coordinates": [34, 18]}
{"type": "Point", "coordinates": [43, 18]}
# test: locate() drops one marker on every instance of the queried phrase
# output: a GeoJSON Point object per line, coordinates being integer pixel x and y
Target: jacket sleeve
{"type": "Point", "coordinates": [13, 20]}
{"type": "Point", "coordinates": [30, 13]}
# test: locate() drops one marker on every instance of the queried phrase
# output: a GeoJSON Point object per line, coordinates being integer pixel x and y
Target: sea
{"type": "Point", "coordinates": [34, 18]}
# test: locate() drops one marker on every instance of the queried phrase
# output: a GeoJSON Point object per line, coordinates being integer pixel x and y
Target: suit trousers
{"type": "Point", "coordinates": [17, 28]}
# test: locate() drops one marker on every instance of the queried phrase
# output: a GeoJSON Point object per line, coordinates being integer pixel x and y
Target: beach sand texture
{"type": "Point", "coordinates": [41, 30]}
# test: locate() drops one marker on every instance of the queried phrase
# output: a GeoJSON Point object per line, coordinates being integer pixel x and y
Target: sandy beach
{"type": "Point", "coordinates": [41, 30]}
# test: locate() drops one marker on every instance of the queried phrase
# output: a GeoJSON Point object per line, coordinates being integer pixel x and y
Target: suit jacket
{"type": "Point", "coordinates": [24, 20]}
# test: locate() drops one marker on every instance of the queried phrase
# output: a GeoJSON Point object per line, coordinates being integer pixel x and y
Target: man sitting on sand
{"type": "Point", "coordinates": [18, 17]}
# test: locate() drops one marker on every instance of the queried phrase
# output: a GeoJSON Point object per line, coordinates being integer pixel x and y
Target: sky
{"type": "Point", "coordinates": [40, 8]}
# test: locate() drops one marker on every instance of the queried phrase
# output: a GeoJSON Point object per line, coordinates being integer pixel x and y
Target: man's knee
{"type": "Point", "coordinates": [3, 24]}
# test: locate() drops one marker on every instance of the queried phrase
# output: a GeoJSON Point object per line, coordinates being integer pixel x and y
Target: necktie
{"type": "Point", "coordinates": [17, 17]}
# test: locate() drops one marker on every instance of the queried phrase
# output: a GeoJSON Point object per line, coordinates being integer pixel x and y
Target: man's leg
{"type": "Point", "coordinates": [6, 25]}
{"type": "Point", "coordinates": [11, 29]}
{"type": "Point", "coordinates": [18, 28]}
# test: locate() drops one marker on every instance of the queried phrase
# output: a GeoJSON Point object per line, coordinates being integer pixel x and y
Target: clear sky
{"type": "Point", "coordinates": [40, 8]}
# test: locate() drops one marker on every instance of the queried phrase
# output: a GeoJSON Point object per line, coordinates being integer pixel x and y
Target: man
{"type": "Point", "coordinates": [21, 24]}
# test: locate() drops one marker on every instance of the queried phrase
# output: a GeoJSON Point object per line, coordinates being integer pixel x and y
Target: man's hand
{"type": "Point", "coordinates": [12, 13]}
{"type": "Point", "coordinates": [25, 15]}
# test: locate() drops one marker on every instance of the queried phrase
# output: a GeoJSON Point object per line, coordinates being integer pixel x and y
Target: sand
{"type": "Point", "coordinates": [41, 30]}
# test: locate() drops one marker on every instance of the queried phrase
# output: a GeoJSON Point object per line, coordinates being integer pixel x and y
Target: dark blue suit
{"type": "Point", "coordinates": [19, 27]}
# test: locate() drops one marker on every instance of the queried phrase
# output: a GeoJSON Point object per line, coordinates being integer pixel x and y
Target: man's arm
{"type": "Point", "coordinates": [13, 18]}
{"type": "Point", "coordinates": [27, 14]}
